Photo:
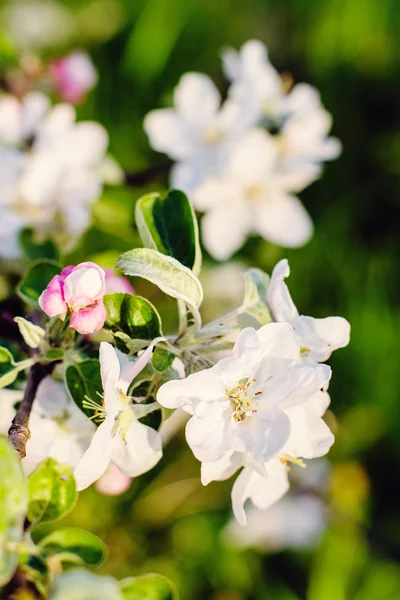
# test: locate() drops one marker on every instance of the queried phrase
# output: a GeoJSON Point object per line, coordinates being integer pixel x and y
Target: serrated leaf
{"type": "Point", "coordinates": [37, 279]}
{"type": "Point", "coordinates": [78, 584]}
{"type": "Point", "coordinates": [132, 315]}
{"type": "Point", "coordinates": [33, 334]}
{"type": "Point", "coordinates": [167, 273]}
{"type": "Point", "coordinates": [52, 492]}
{"type": "Point", "coordinates": [13, 506]}
{"type": "Point", "coordinates": [167, 223]}
{"type": "Point", "coordinates": [148, 587]}
{"type": "Point", "coordinates": [35, 250]}
{"type": "Point", "coordinates": [255, 295]}
{"type": "Point", "coordinates": [87, 547]}
{"type": "Point", "coordinates": [84, 380]}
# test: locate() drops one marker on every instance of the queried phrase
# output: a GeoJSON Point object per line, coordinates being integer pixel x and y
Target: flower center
{"type": "Point", "coordinates": [211, 135]}
{"type": "Point", "coordinates": [254, 193]}
{"type": "Point", "coordinates": [244, 401]}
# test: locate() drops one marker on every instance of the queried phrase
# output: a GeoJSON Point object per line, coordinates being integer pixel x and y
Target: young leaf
{"type": "Point", "coordinates": [167, 273]}
{"type": "Point", "coordinates": [36, 250]}
{"type": "Point", "coordinates": [32, 334]}
{"type": "Point", "coordinates": [36, 280]}
{"type": "Point", "coordinates": [52, 492]}
{"type": "Point", "coordinates": [255, 295]}
{"type": "Point", "coordinates": [9, 369]}
{"type": "Point", "coordinates": [162, 359]}
{"type": "Point", "coordinates": [148, 587]}
{"type": "Point", "coordinates": [82, 585]}
{"type": "Point", "coordinates": [85, 546]}
{"type": "Point", "coordinates": [167, 223]}
{"type": "Point", "coordinates": [83, 382]}
{"type": "Point", "coordinates": [132, 315]}
{"type": "Point", "coordinates": [54, 354]}
{"type": "Point", "coordinates": [13, 505]}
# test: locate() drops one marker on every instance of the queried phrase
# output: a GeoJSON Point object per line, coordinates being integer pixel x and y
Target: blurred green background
{"type": "Point", "coordinates": [348, 49]}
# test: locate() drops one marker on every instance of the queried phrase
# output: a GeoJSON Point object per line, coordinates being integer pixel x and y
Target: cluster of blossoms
{"type": "Point", "coordinates": [242, 161]}
{"type": "Point", "coordinates": [52, 170]}
{"type": "Point", "coordinates": [259, 409]}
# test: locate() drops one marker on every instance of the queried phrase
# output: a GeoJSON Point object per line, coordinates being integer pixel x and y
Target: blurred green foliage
{"type": "Point", "coordinates": [349, 50]}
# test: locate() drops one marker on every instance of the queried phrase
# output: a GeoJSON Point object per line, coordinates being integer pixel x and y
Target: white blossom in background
{"type": "Point", "coordinates": [121, 438]}
{"type": "Point", "coordinates": [253, 196]}
{"type": "Point", "coordinates": [58, 428]}
{"type": "Point", "coordinates": [242, 162]}
{"type": "Point", "coordinates": [50, 173]}
{"type": "Point", "coordinates": [199, 133]}
{"type": "Point", "coordinates": [258, 409]}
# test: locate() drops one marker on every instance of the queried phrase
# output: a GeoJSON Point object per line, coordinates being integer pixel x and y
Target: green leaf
{"type": "Point", "coordinates": [148, 587]}
{"type": "Point", "coordinates": [82, 585]}
{"type": "Point", "coordinates": [13, 506]}
{"type": "Point", "coordinates": [37, 279]}
{"type": "Point", "coordinates": [35, 570]}
{"type": "Point", "coordinates": [87, 547]}
{"type": "Point", "coordinates": [35, 250]}
{"type": "Point", "coordinates": [133, 346]}
{"type": "Point", "coordinates": [133, 316]}
{"type": "Point", "coordinates": [255, 295]}
{"type": "Point", "coordinates": [167, 223]}
{"type": "Point", "coordinates": [52, 492]}
{"type": "Point", "coordinates": [83, 381]}
{"type": "Point", "coordinates": [167, 273]}
{"type": "Point", "coordinates": [162, 359]}
{"type": "Point", "coordinates": [33, 334]}
{"type": "Point", "coordinates": [8, 372]}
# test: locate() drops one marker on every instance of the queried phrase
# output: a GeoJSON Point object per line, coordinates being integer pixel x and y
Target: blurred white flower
{"type": "Point", "coordinates": [318, 338]}
{"type": "Point", "coordinates": [253, 196]}
{"type": "Point", "coordinates": [50, 171]}
{"type": "Point", "coordinates": [73, 76]}
{"type": "Point", "coordinates": [58, 428]}
{"type": "Point", "coordinates": [121, 438]}
{"type": "Point", "coordinates": [198, 132]}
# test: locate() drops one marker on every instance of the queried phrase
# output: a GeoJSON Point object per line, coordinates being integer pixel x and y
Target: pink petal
{"type": "Point", "coordinates": [92, 265]}
{"type": "Point", "coordinates": [66, 271]}
{"type": "Point", "coordinates": [52, 300]}
{"type": "Point", "coordinates": [116, 284]}
{"type": "Point", "coordinates": [113, 482]}
{"type": "Point", "coordinates": [90, 319]}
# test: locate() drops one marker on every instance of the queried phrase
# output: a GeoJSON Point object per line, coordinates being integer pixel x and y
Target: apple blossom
{"type": "Point", "coordinates": [120, 439]}
{"type": "Point", "coordinates": [318, 338]}
{"type": "Point", "coordinates": [77, 291]}
{"type": "Point", "coordinates": [113, 482]}
{"type": "Point", "coordinates": [241, 406]}
{"type": "Point", "coordinates": [198, 132]}
{"type": "Point", "coordinates": [73, 76]}
{"type": "Point", "coordinates": [253, 196]}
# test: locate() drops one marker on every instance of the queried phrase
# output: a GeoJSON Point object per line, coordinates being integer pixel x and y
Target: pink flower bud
{"type": "Point", "coordinates": [79, 291]}
{"type": "Point", "coordinates": [113, 482]}
{"type": "Point", "coordinates": [73, 76]}
{"type": "Point", "coordinates": [115, 284]}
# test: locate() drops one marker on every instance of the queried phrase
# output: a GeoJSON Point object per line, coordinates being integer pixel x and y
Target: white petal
{"type": "Point", "coordinates": [283, 220]}
{"type": "Point", "coordinates": [197, 99]}
{"type": "Point", "coordinates": [254, 158]}
{"type": "Point", "coordinates": [110, 372]}
{"type": "Point", "coordinates": [35, 106]}
{"type": "Point", "coordinates": [263, 491]}
{"type": "Point", "coordinates": [279, 340]}
{"type": "Point", "coordinates": [322, 336]}
{"type": "Point", "coordinates": [131, 369]}
{"type": "Point", "coordinates": [279, 298]}
{"type": "Point", "coordinates": [222, 469]}
{"type": "Point", "coordinates": [83, 146]}
{"type": "Point", "coordinates": [97, 457]}
{"type": "Point", "coordinates": [201, 386]}
{"type": "Point", "coordinates": [210, 437]}
{"type": "Point", "coordinates": [141, 451]}
{"type": "Point", "coordinates": [224, 230]}
{"type": "Point", "coordinates": [168, 133]}
{"type": "Point", "coordinates": [310, 437]}
{"type": "Point", "coordinates": [318, 403]}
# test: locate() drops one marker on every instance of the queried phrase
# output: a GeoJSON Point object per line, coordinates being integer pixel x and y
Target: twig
{"type": "Point", "coordinates": [147, 175]}
{"type": "Point", "coordinates": [19, 433]}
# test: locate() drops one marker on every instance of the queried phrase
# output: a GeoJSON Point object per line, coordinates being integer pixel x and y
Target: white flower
{"type": "Point", "coordinates": [253, 196]}
{"type": "Point", "coordinates": [50, 171]}
{"type": "Point", "coordinates": [318, 338]}
{"type": "Point", "coordinates": [58, 428]}
{"type": "Point", "coordinates": [132, 446]}
{"type": "Point", "coordinates": [241, 407]}
{"type": "Point", "coordinates": [198, 132]}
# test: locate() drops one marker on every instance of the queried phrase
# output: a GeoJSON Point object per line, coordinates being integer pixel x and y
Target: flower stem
{"type": "Point", "coordinates": [19, 433]}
